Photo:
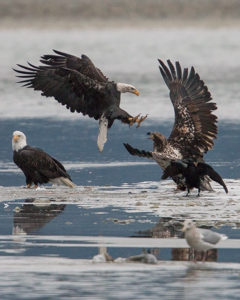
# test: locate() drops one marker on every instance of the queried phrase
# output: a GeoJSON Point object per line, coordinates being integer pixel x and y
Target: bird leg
{"type": "Point", "coordinates": [196, 256]}
{"type": "Point", "coordinates": [204, 256]}
{"type": "Point", "coordinates": [139, 121]}
{"type": "Point", "coordinates": [198, 195]}
{"type": "Point", "coordinates": [188, 191]}
{"type": "Point", "coordinates": [133, 119]}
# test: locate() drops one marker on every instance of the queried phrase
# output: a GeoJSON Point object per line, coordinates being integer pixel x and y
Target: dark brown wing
{"type": "Point", "coordinates": [32, 160]}
{"type": "Point", "coordinates": [195, 124]}
{"type": "Point", "coordinates": [69, 87]}
{"type": "Point", "coordinates": [83, 65]}
{"type": "Point", "coordinates": [173, 169]}
{"type": "Point", "coordinates": [136, 152]}
{"type": "Point", "coordinates": [205, 169]}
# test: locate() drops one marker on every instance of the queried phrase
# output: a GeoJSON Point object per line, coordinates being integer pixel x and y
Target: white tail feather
{"type": "Point", "coordinates": [102, 135]}
{"type": "Point", "coordinates": [62, 181]}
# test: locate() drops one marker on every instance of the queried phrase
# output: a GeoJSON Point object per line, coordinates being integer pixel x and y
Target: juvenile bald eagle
{"type": "Point", "coordinates": [195, 125]}
{"type": "Point", "coordinates": [192, 173]}
{"type": "Point", "coordinates": [37, 166]}
{"type": "Point", "coordinates": [78, 84]}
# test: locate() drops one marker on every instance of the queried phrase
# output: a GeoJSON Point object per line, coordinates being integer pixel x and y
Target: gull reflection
{"type": "Point", "coordinates": [171, 228]}
{"type": "Point", "coordinates": [35, 214]}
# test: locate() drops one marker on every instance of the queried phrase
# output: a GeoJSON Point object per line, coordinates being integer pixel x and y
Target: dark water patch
{"type": "Point", "coordinates": [74, 142]}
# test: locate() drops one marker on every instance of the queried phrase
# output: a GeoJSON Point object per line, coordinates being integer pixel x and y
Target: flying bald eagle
{"type": "Point", "coordinates": [37, 166]}
{"type": "Point", "coordinates": [195, 125]}
{"type": "Point", "coordinates": [78, 84]}
{"type": "Point", "coordinates": [192, 173]}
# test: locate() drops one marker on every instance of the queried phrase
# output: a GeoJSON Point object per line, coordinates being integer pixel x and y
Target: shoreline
{"type": "Point", "coordinates": [53, 24]}
{"type": "Point", "coordinates": [106, 14]}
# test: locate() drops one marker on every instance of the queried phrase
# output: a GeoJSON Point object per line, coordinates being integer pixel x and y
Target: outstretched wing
{"type": "Point", "coordinates": [205, 169]}
{"type": "Point", "coordinates": [71, 88]}
{"type": "Point", "coordinates": [83, 65]}
{"type": "Point", "coordinates": [195, 124]}
{"type": "Point", "coordinates": [173, 169]}
{"type": "Point", "coordinates": [136, 152]}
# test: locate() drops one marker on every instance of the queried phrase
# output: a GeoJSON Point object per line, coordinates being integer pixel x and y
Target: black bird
{"type": "Point", "coordinates": [37, 166]}
{"type": "Point", "coordinates": [195, 125]}
{"type": "Point", "coordinates": [78, 84]}
{"type": "Point", "coordinates": [192, 173]}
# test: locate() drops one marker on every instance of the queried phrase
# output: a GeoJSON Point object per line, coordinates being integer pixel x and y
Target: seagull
{"type": "Point", "coordinates": [200, 239]}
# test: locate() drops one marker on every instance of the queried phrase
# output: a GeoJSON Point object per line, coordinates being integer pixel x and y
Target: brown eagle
{"type": "Point", "coordinates": [78, 84]}
{"type": "Point", "coordinates": [195, 125]}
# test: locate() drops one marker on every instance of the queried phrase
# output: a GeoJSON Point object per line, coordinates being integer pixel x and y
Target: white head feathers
{"type": "Point", "coordinates": [127, 88]}
{"type": "Point", "coordinates": [19, 140]}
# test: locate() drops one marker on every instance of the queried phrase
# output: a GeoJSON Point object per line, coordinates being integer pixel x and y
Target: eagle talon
{"type": "Point", "coordinates": [139, 121]}
{"type": "Point", "coordinates": [133, 120]}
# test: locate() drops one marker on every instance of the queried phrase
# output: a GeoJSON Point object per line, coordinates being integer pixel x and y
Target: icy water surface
{"type": "Point", "coordinates": [50, 237]}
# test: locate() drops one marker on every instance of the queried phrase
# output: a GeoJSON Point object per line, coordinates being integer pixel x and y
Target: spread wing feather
{"type": "Point", "coordinates": [205, 169]}
{"type": "Point", "coordinates": [69, 87]}
{"type": "Point", "coordinates": [195, 124]}
{"type": "Point", "coordinates": [83, 65]}
{"type": "Point", "coordinates": [136, 152]}
{"type": "Point", "coordinates": [173, 169]}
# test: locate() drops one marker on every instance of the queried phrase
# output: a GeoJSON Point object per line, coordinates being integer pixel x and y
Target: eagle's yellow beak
{"type": "Point", "coordinates": [136, 92]}
{"type": "Point", "coordinates": [15, 138]}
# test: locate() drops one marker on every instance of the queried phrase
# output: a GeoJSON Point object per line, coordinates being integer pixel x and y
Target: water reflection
{"type": "Point", "coordinates": [171, 228]}
{"type": "Point", "coordinates": [35, 214]}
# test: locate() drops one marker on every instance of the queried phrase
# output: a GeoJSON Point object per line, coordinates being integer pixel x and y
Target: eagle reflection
{"type": "Point", "coordinates": [35, 214]}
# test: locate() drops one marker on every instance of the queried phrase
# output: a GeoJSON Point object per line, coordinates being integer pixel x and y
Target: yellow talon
{"type": "Point", "coordinates": [139, 121]}
{"type": "Point", "coordinates": [133, 120]}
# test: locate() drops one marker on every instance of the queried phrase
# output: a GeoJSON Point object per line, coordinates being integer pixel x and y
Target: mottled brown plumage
{"type": "Point", "coordinates": [195, 124]}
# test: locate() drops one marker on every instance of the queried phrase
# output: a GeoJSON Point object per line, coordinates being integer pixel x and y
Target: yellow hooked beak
{"type": "Point", "coordinates": [136, 92]}
{"type": "Point", "coordinates": [15, 138]}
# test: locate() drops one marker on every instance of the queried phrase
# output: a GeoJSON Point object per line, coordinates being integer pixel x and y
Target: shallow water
{"type": "Point", "coordinates": [49, 236]}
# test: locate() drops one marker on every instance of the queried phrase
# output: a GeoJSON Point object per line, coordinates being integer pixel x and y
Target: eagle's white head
{"type": "Point", "coordinates": [127, 88]}
{"type": "Point", "coordinates": [19, 140]}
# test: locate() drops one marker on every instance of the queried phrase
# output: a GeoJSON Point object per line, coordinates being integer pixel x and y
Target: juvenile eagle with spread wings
{"type": "Point", "coordinates": [195, 125]}
{"type": "Point", "coordinates": [78, 84]}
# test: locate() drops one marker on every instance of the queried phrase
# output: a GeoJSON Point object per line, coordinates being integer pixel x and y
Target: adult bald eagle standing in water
{"type": "Point", "coordinates": [37, 166]}
{"type": "Point", "coordinates": [78, 84]}
{"type": "Point", "coordinates": [195, 125]}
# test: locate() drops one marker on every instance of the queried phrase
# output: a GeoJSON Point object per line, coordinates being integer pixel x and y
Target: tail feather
{"type": "Point", "coordinates": [62, 181]}
{"type": "Point", "coordinates": [102, 135]}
